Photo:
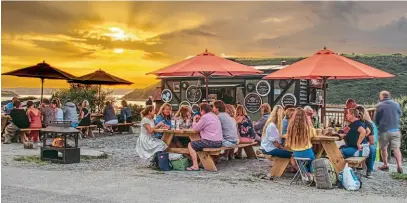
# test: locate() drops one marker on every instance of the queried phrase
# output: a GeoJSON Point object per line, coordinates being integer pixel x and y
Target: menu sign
{"type": "Point", "coordinates": [166, 95]}
{"type": "Point", "coordinates": [288, 99]}
{"type": "Point", "coordinates": [263, 88]}
{"type": "Point", "coordinates": [193, 94]}
{"type": "Point", "coordinates": [252, 102]}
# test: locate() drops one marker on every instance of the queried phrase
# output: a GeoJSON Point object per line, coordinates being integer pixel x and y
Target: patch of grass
{"type": "Point", "coordinates": [85, 157]}
{"type": "Point", "coordinates": [31, 159]}
{"type": "Point", "coordinates": [398, 176]}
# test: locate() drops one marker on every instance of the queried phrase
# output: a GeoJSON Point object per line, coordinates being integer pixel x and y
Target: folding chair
{"type": "Point", "coordinates": [302, 171]}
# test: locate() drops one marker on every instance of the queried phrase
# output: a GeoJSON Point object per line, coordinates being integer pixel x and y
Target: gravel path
{"type": "Point", "coordinates": [123, 159]}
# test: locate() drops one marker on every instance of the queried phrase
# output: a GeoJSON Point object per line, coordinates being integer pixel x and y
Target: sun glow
{"type": "Point", "coordinates": [118, 51]}
{"type": "Point", "coordinates": [119, 34]}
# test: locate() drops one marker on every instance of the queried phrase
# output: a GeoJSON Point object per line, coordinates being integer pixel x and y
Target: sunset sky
{"type": "Point", "coordinates": [129, 39]}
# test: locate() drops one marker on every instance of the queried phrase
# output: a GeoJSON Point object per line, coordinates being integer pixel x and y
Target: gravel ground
{"type": "Point", "coordinates": [123, 158]}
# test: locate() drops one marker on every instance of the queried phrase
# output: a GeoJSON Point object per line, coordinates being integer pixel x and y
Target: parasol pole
{"type": "Point", "coordinates": [206, 85]}
{"type": "Point", "coordinates": [323, 117]}
{"type": "Point", "coordinates": [42, 89]}
{"type": "Point", "coordinates": [100, 101]}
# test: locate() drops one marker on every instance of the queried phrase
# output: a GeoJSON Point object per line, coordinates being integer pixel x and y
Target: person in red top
{"type": "Point", "coordinates": [34, 116]}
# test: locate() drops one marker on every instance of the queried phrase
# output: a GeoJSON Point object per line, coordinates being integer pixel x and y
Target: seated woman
{"type": "Point", "coordinates": [258, 126]}
{"type": "Point", "coordinates": [298, 138]}
{"type": "Point", "coordinates": [164, 115]}
{"type": "Point", "coordinates": [109, 116]}
{"type": "Point", "coordinates": [371, 138]}
{"type": "Point", "coordinates": [230, 109]}
{"type": "Point", "coordinates": [125, 113]}
{"type": "Point", "coordinates": [245, 129]}
{"type": "Point", "coordinates": [84, 116]}
{"type": "Point", "coordinates": [276, 117]}
{"type": "Point", "coordinates": [147, 145]}
{"type": "Point", "coordinates": [184, 117]}
{"type": "Point", "coordinates": [70, 113]}
{"type": "Point", "coordinates": [56, 105]}
{"type": "Point", "coordinates": [355, 135]}
{"type": "Point", "coordinates": [210, 130]}
{"type": "Point", "coordinates": [34, 116]}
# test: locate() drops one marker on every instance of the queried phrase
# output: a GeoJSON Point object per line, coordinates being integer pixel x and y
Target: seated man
{"type": "Point", "coordinates": [19, 120]}
{"type": "Point", "coordinates": [210, 130]}
{"type": "Point", "coordinates": [229, 127]}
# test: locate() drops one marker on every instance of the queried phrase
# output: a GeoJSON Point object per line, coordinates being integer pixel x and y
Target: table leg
{"type": "Point", "coordinates": [207, 161]}
{"type": "Point", "coordinates": [334, 155]}
{"type": "Point", "coordinates": [194, 137]}
{"type": "Point", "coordinates": [250, 152]}
{"type": "Point", "coordinates": [90, 133]}
{"type": "Point", "coordinates": [167, 138]}
{"type": "Point", "coordinates": [21, 138]}
{"type": "Point", "coordinates": [278, 167]}
{"type": "Point", "coordinates": [320, 153]}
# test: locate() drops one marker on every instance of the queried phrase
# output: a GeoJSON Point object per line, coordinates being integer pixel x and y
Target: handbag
{"type": "Point", "coordinates": [365, 151]}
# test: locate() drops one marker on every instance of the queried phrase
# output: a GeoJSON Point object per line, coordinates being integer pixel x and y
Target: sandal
{"type": "Point", "coordinates": [193, 169]}
{"type": "Point", "coordinates": [383, 168]}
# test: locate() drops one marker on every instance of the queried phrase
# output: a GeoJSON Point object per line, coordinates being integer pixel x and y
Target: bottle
{"type": "Point", "coordinates": [172, 124]}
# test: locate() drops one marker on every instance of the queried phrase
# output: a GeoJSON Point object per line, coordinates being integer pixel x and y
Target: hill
{"type": "Point", "coordinates": [6, 93]}
{"type": "Point", "coordinates": [363, 91]}
{"type": "Point", "coordinates": [141, 94]}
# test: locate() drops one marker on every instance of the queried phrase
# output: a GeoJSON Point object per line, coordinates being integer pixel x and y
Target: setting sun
{"type": "Point", "coordinates": [118, 51]}
{"type": "Point", "coordinates": [119, 34]}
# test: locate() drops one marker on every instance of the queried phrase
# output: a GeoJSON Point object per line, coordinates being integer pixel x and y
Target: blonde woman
{"type": "Point", "coordinates": [84, 115]}
{"type": "Point", "coordinates": [298, 138]}
{"type": "Point", "coordinates": [164, 115]}
{"type": "Point", "coordinates": [259, 125]}
{"type": "Point", "coordinates": [276, 117]}
{"type": "Point", "coordinates": [230, 109]}
{"type": "Point", "coordinates": [184, 117]}
{"type": "Point", "coordinates": [147, 145]}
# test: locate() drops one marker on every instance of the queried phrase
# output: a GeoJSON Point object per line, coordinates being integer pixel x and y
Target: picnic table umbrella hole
{"type": "Point", "coordinates": [43, 71]}
{"type": "Point", "coordinates": [326, 64]}
{"type": "Point", "coordinates": [206, 64]}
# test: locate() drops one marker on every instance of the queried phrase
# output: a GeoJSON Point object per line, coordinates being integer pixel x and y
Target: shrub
{"type": "Point", "coordinates": [403, 123]}
{"type": "Point", "coordinates": [77, 93]}
{"type": "Point", "coordinates": [136, 111]}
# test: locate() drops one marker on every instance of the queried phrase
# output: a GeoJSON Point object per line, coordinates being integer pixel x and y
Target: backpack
{"type": "Point", "coordinates": [154, 161]}
{"type": "Point", "coordinates": [324, 174]}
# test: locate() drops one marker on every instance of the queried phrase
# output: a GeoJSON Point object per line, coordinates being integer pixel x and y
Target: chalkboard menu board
{"type": "Point", "coordinates": [263, 88]}
{"type": "Point", "coordinates": [250, 87]}
{"type": "Point", "coordinates": [252, 102]}
{"type": "Point", "coordinates": [193, 94]}
{"type": "Point", "coordinates": [288, 99]}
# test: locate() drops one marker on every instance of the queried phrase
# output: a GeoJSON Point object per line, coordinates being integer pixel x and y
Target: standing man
{"type": "Point", "coordinates": [149, 101]}
{"type": "Point", "coordinates": [387, 118]}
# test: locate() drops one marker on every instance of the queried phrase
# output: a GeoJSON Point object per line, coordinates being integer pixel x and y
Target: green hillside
{"type": "Point", "coordinates": [364, 91]}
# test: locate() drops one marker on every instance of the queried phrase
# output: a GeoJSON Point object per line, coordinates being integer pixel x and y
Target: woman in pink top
{"type": "Point", "coordinates": [210, 129]}
{"type": "Point", "coordinates": [34, 116]}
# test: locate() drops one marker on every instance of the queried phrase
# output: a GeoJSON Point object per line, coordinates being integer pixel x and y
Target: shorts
{"type": "Point", "coordinates": [279, 153]}
{"type": "Point", "coordinates": [199, 145]}
{"type": "Point", "coordinates": [227, 143]}
{"type": "Point", "coordinates": [392, 138]}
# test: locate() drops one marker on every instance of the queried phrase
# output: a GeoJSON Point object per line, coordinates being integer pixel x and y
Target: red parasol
{"type": "Point", "coordinates": [206, 64]}
{"type": "Point", "coordinates": [325, 64]}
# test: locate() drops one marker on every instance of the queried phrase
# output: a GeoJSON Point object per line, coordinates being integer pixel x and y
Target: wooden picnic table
{"type": "Point", "coordinates": [331, 149]}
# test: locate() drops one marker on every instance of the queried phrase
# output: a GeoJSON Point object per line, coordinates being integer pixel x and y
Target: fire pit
{"type": "Point", "coordinates": [59, 151]}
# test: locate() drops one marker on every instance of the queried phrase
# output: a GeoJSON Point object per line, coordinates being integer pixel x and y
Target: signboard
{"type": "Point", "coordinates": [250, 87]}
{"type": "Point", "coordinates": [288, 99]}
{"type": "Point", "coordinates": [193, 94]}
{"type": "Point", "coordinates": [166, 95]}
{"type": "Point", "coordinates": [263, 88]}
{"type": "Point", "coordinates": [252, 102]}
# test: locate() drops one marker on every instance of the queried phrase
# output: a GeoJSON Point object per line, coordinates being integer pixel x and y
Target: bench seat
{"type": "Point", "coordinates": [86, 126]}
{"type": "Point", "coordinates": [30, 129]}
{"type": "Point", "coordinates": [356, 162]}
{"type": "Point", "coordinates": [279, 166]}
